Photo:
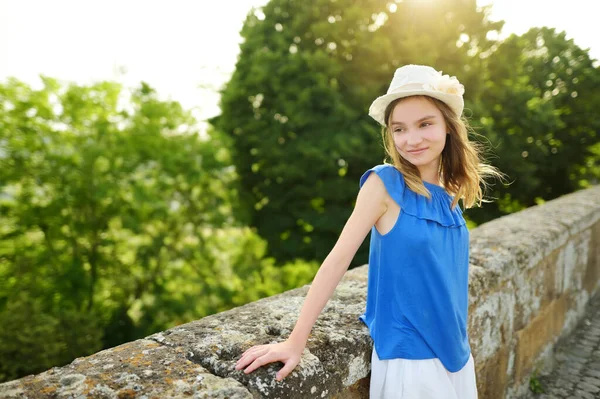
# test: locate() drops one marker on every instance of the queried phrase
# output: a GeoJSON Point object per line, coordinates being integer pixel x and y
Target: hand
{"type": "Point", "coordinates": [259, 355]}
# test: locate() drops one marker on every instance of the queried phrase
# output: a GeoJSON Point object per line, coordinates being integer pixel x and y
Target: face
{"type": "Point", "coordinates": [417, 124]}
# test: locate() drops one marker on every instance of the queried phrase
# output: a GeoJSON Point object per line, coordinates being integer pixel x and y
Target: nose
{"type": "Point", "coordinates": [414, 138]}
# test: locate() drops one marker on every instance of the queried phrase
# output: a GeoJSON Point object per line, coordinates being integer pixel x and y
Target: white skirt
{"type": "Point", "coordinates": [420, 379]}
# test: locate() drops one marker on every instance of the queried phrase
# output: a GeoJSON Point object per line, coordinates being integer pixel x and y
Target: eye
{"type": "Point", "coordinates": [425, 124]}
{"type": "Point", "coordinates": [398, 130]}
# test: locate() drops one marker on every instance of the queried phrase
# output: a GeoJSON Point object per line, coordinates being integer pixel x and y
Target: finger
{"type": "Point", "coordinates": [285, 370]}
{"type": "Point", "coordinates": [265, 359]}
{"type": "Point", "coordinates": [249, 352]}
{"type": "Point", "coordinates": [254, 352]}
{"type": "Point", "coordinates": [251, 349]}
{"type": "Point", "coordinates": [247, 359]}
{"type": "Point", "coordinates": [244, 361]}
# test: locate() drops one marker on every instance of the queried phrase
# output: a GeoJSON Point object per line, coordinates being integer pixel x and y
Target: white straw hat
{"type": "Point", "coordinates": [411, 80]}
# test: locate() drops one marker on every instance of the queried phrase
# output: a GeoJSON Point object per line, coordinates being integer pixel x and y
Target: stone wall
{"type": "Point", "coordinates": [531, 275]}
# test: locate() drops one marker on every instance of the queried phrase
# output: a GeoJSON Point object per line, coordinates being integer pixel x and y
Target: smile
{"type": "Point", "coordinates": [417, 152]}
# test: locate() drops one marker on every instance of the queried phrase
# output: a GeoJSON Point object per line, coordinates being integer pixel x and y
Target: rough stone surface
{"type": "Point", "coordinates": [138, 369]}
{"type": "Point", "coordinates": [337, 354]}
{"type": "Point", "coordinates": [530, 271]}
{"type": "Point", "coordinates": [576, 372]}
{"type": "Point", "coordinates": [536, 335]}
{"type": "Point", "coordinates": [538, 266]}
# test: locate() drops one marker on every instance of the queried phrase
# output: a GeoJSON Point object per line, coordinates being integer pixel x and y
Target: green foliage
{"type": "Point", "coordinates": [296, 105]}
{"type": "Point", "coordinates": [116, 223]}
{"type": "Point", "coordinates": [34, 337]}
{"type": "Point", "coordinates": [539, 104]}
{"type": "Point", "coordinates": [535, 384]}
{"type": "Point", "coordinates": [118, 219]}
{"type": "Point", "coordinates": [296, 109]}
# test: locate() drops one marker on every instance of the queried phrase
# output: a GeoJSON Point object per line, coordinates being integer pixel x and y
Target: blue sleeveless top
{"type": "Point", "coordinates": [417, 292]}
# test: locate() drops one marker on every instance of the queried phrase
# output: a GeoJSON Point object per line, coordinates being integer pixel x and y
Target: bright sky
{"type": "Point", "coordinates": [187, 48]}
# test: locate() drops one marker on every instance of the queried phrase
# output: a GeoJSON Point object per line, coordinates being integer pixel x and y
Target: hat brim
{"type": "Point", "coordinates": [378, 107]}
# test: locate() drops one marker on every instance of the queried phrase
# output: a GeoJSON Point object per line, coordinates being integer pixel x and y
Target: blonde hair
{"type": "Point", "coordinates": [461, 168]}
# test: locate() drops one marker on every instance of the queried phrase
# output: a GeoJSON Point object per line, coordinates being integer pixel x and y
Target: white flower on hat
{"type": "Point", "coordinates": [449, 84]}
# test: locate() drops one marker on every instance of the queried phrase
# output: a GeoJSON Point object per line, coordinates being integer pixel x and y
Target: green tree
{"type": "Point", "coordinates": [296, 105]}
{"type": "Point", "coordinates": [539, 112]}
{"type": "Point", "coordinates": [116, 222]}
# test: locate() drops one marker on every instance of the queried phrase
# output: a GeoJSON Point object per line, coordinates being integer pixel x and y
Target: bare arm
{"type": "Point", "coordinates": [370, 205]}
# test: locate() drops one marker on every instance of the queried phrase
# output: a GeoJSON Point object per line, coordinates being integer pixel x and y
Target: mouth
{"type": "Point", "coordinates": [416, 152]}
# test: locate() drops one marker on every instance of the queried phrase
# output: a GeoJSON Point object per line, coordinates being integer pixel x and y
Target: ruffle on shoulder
{"type": "Point", "coordinates": [437, 209]}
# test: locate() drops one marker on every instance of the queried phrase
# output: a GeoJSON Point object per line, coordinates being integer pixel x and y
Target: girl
{"type": "Point", "coordinates": [417, 295]}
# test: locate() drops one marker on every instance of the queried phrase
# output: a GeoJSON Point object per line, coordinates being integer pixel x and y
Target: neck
{"type": "Point", "coordinates": [430, 174]}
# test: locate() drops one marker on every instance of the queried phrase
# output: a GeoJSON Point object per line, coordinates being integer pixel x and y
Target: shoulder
{"type": "Point", "coordinates": [373, 183]}
{"type": "Point", "coordinates": [392, 178]}
{"type": "Point", "coordinates": [372, 198]}
{"type": "Point", "coordinates": [386, 172]}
